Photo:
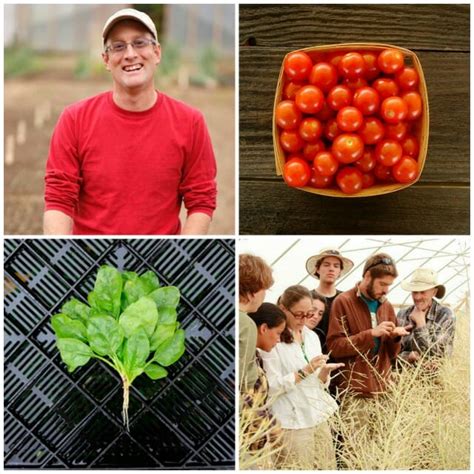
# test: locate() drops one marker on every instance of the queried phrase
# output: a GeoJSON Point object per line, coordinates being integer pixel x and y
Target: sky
{"type": "Point", "coordinates": [449, 256]}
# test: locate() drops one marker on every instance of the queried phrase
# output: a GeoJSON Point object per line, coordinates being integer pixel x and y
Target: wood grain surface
{"type": "Point", "coordinates": [439, 202]}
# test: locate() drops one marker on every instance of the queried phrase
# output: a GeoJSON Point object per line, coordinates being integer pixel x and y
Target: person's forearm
{"type": "Point", "coordinates": [56, 223]}
{"type": "Point", "coordinates": [196, 223]}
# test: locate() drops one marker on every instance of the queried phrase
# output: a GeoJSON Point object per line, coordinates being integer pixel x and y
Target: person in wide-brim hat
{"type": "Point", "coordinates": [433, 323]}
{"type": "Point", "coordinates": [313, 262]}
{"type": "Point", "coordinates": [327, 267]}
{"type": "Point", "coordinates": [424, 279]}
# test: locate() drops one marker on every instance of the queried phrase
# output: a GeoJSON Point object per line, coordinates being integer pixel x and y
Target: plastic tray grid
{"type": "Point", "coordinates": [54, 419]}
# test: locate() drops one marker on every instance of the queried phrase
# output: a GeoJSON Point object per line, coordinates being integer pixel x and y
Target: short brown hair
{"type": "Point", "coordinates": [254, 275]}
{"type": "Point", "coordinates": [380, 265]}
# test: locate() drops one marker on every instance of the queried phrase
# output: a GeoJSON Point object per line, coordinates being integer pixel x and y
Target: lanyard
{"type": "Point", "coordinates": [304, 353]}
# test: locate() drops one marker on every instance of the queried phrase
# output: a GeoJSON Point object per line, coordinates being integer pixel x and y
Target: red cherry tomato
{"type": "Point", "coordinates": [407, 78]}
{"type": "Point", "coordinates": [320, 181]}
{"type": "Point", "coordinates": [406, 170]}
{"type": "Point", "coordinates": [394, 110]}
{"type": "Point", "coordinates": [391, 61]}
{"type": "Point", "coordinates": [339, 96]}
{"type": "Point", "coordinates": [323, 75]}
{"type": "Point", "coordinates": [310, 129]}
{"type": "Point", "coordinates": [355, 83]}
{"type": "Point", "coordinates": [335, 57]}
{"type": "Point", "coordinates": [351, 66]}
{"type": "Point", "coordinates": [289, 91]}
{"type": "Point", "coordinates": [372, 70]}
{"type": "Point", "coordinates": [410, 146]}
{"type": "Point", "coordinates": [297, 66]}
{"type": "Point", "coordinates": [325, 113]}
{"type": "Point", "coordinates": [309, 99]}
{"type": "Point", "coordinates": [383, 173]}
{"type": "Point", "coordinates": [367, 162]}
{"type": "Point", "coordinates": [368, 180]}
{"type": "Point", "coordinates": [388, 152]}
{"type": "Point", "coordinates": [385, 87]}
{"type": "Point", "coordinates": [291, 141]}
{"type": "Point", "coordinates": [288, 116]}
{"type": "Point", "coordinates": [296, 172]}
{"type": "Point", "coordinates": [414, 104]}
{"type": "Point", "coordinates": [331, 130]}
{"type": "Point", "coordinates": [348, 148]}
{"type": "Point", "coordinates": [396, 131]}
{"type": "Point", "coordinates": [367, 100]}
{"type": "Point", "coordinates": [310, 150]}
{"type": "Point", "coordinates": [349, 179]}
{"type": "Point", "coordinates": [372, 130]}
{"type": "Point", "coordinates": [349, 119]}
{"type": "Point", "coordinates": [325, 164]}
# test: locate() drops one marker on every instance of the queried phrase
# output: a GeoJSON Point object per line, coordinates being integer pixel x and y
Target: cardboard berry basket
{"type": "Point", "coordinates": [420, 129]}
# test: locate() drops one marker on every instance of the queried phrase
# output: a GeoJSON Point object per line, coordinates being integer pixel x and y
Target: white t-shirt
{"type": "Point", "coordinates": [297, 405]}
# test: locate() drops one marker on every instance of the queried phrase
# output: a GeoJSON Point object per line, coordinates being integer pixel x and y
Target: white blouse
{"type": "Point", "coordinates": [297, 405]}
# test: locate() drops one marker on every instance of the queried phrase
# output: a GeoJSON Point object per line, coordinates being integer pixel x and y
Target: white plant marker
{"type": "Point", "coordinates": [10, 150]}
{"type": "Point", "coordinates": [21, 132]}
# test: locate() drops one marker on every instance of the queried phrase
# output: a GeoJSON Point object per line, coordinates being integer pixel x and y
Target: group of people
{"type": "Point", "coordinates": [317, 351]}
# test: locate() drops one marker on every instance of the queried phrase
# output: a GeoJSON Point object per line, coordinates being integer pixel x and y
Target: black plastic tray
{"type": "Point", "coordinates": [53, 419]}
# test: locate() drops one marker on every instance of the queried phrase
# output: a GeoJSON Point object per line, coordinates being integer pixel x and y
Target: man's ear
{"type": "Point", "coordinates": [157, 51]}
{"type": "Point", "coordinates": [105, 58]}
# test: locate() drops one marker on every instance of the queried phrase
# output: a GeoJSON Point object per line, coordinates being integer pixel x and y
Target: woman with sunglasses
{"type": "Point", "coordinates": [298, 376]}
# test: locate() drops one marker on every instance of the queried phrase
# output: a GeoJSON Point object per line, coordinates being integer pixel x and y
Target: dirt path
{"type": "Point", "coordinates": [24, 177]}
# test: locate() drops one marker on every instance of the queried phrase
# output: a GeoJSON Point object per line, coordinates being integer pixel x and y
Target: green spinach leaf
{"type": "Point", "coordinates": [65, 327]}
{"type": "Point", "coordinates": [74, 353]}
{"type": "Point", "coordinates": [170, 350]}
{"type": "Point", "coordinates": [105, 335]}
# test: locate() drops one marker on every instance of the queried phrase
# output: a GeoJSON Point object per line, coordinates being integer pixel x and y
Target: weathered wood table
{"type": "Point", "coordinates": [439, 202]}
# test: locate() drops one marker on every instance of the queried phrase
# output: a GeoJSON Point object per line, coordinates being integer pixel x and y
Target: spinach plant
{"type": "Point", "coordinates": [130, 324]}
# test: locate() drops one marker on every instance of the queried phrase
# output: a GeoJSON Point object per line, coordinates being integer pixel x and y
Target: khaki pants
{"type": "Point", "coordinates": [308, 448]}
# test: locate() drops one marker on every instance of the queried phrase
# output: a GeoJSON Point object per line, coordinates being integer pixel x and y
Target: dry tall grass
{"type": "Point", "coordinates": [422, 422]}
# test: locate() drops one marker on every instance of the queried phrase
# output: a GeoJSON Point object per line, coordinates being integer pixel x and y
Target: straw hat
{"type": "Point", "coordinates": [328, 252]}
{"type": "Point", "coordinates": [424, 279]}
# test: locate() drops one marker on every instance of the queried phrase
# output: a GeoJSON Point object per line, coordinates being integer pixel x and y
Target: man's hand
{"type": "Point", "coordinates": [413, 357]}
{"type": "Point", "coordinates": [383, 329]}
{"type": "Point", "coordinates": [400, 331]}
{"type": "Point", "coordinates": [418, 316]}
{"type": "Point", "coordinates": [57, 223]}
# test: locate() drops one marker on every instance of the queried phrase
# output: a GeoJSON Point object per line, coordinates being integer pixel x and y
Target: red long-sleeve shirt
{"type": "Point", "coordinates": [119, 172]}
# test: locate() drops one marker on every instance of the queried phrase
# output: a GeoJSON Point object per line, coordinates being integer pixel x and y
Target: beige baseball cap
{"type": "Point", "coordinates": [129, 14]}
{"type": "Point", "coordinates": [424, 279]}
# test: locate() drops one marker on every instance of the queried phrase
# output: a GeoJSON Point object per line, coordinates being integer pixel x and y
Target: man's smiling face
{"type": "Point", "coordinates": [133, 68]}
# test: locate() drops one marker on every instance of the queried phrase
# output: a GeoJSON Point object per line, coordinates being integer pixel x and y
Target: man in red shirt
{"type": "Point", "coordinates": [123, 162]}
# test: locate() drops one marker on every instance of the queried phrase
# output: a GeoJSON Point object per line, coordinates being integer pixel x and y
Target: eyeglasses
{"type": "Point", "coordinates": [121, 46]}
{"type": "Point", "coordinates": [332, 252]}
{"type": "Point", "coordinates": [382, 261]}
{"type": "Point", "coordinates": [302, 315]}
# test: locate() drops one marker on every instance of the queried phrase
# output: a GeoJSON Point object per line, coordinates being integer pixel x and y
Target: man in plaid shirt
{"type": "Point", "coordinates": [433, 324]}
